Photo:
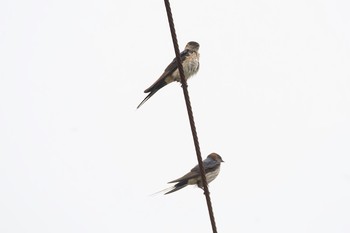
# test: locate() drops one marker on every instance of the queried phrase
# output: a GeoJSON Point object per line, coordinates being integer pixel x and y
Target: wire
{"type": "Point", "coordinates": [190, 115]}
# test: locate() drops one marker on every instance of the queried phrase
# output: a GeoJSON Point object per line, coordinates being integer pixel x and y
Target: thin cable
{"type": "Point", "coordinates": [190, 115]}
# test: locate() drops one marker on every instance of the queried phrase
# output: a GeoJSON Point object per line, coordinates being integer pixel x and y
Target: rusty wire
{"type": "Point", "coordinates": [190, 114]}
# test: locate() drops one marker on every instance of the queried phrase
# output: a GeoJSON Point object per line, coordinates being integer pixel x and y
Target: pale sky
{"type": "Point", "coordinates": [272, 97]}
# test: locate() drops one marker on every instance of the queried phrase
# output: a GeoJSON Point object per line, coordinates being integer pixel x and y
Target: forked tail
{"type": "Point", "coordinates": [152, 90]}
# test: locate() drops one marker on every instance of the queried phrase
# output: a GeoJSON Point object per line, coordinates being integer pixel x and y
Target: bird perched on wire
{"type": "Point", "coordinates": [212, 168]}
{"type": "Point", "coordinates": [190, 62]}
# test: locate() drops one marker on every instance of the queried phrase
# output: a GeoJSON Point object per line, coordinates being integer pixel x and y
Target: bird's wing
{"type": "Point", "coordinates": [173, 65]}
{"type": "Point", "coordinates": [209, 165]}
{"type": "Point", "coordinates": [169, 69]}
{"type": "Point", "coordinates": [188, 176]}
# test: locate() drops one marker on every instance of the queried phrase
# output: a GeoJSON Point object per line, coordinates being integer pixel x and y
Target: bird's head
{"type": "Point", "coordinates": [215, 157]}
{"type": "Point", "coordinates": [192, 46]}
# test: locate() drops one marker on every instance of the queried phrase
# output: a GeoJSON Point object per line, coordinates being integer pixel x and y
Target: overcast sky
{"type": "Point", "coordinates": [272, 97]}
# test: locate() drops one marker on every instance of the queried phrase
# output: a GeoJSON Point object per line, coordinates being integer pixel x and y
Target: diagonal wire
{"type": "Point", "coordinates": [190, 115]}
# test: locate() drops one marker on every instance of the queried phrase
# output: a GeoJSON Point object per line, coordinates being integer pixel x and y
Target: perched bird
{"type": "Point", "coordinates": [212, 168]}
{"type": "Point", "coordinates": [190, 62]}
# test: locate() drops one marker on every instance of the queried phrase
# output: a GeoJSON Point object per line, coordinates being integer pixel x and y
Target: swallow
{"type": "Point", "coordinates": [212, 168]}
{"type": "Point", "coordinates": [190, 62]}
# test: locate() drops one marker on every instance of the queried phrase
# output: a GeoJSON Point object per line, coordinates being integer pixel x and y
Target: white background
{"type": "Point", "coordinates": [272, 97]}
